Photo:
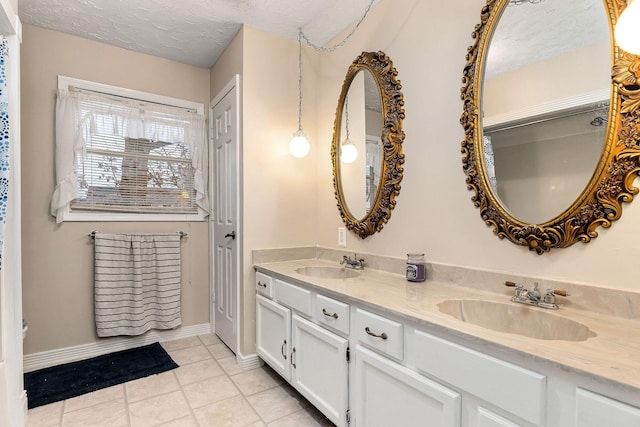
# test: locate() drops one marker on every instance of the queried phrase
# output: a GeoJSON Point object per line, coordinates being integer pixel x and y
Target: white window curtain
{"type": "Point", "coordinates": [81, 116]}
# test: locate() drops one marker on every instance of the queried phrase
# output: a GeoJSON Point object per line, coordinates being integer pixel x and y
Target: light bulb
{"type": "Point", "coordinates": [627, 32]}
{"type": "Point", "coordinates": [299, 145]}
{"type": "Point", "coordinates": [348, 151]}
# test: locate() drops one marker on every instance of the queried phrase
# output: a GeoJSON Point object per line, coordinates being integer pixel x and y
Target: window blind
{"type": "Point", "coordinates": [133, 157]}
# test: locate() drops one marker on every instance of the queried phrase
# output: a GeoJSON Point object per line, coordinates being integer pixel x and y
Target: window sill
{"type": "Point", "coordinates": [71, 216]}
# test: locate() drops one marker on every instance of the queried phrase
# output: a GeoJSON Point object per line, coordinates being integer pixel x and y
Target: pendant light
{"type": "Point", "coordinates": [299, 145]}
{"type": "Point", "coordinates": [627, 32]}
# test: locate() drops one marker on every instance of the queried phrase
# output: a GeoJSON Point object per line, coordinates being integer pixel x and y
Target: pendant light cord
{"type": "Point", "coordinates": [303, 36]}
{"type": "Point", "coordinates": [340, 44]}
{"type": "Point", "coordinates": [300, 80]}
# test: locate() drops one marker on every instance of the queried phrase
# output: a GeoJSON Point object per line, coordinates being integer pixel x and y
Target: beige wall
{"type": "Point", "coordinates": [228, 65]}
{"type": "Point", "coordinates": [279, 191]}
{"type": "Point", "coordinates": [288, 201]}
{"type": "Point", "coordinates": [427, 42]}
{"type": "Point", "coordinates": [57, 259]}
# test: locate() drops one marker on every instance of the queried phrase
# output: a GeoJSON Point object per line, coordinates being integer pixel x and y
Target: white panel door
{"type": "Point", "coordinates": [320, 368]}
{"type": "Point", "coordinates": [273, 335]}
{"type": "Point", "coordinates": [388, 394]}
{"type": "Point", "coordinates": [224, 217]}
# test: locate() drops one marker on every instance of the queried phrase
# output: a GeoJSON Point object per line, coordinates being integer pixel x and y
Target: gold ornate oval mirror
{"type": "Point", "coordinates": [367, 143]}
{"type": "Point", "coordinates": [551, 140]}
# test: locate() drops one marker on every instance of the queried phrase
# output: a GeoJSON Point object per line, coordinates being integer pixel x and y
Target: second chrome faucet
{"type": "Point", "coordinates": [533, 297]}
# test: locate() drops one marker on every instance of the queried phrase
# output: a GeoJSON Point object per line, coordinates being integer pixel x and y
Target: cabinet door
{"type": "Point", "coordinates": [320, 368]}
{"type": "Point", "coordinates": [594, 410]}
{"type": "Point", "coordinates": [273, 332]}
{"type": "Point", "coordinates": [388, 394]}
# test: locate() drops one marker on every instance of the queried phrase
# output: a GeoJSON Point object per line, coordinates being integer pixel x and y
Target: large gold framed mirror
{"type": "Point", "coordinates": [551, 144]}
{"type": "Point", "coordinates": [367, 143]}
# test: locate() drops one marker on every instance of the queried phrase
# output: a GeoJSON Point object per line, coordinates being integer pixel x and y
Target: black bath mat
{"type": "Point", "coordinates": [73, 379]}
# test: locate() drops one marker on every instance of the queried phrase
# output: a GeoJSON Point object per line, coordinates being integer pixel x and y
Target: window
{"type": "Point", "coordinates": [127, 155]}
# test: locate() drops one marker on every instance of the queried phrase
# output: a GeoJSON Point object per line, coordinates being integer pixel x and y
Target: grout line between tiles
{"type": "Point", "coordinates": [126, 403]}
{"type": "Point", "coordinates": [191, 410]}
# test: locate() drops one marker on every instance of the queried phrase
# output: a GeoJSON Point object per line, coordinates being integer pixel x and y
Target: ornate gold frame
{"type": "Point", "coordinates": [612, 182]}
{"type": "Point", "coordinates": [392, 101]}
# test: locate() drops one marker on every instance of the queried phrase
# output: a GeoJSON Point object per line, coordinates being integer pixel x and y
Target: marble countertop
{"type": "Point", "coordinates": [613, 354]}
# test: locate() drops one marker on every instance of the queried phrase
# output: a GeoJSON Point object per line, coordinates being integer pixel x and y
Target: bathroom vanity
{"type": "Point", "coordinates": [366, 353]}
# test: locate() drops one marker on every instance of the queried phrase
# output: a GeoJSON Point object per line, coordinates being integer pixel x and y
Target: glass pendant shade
{"type": "Point", "coordinates": [299, 145]}
{"type": "Point", "coordinates": [348, 151]}
{"type": "Point", "coordinates": [627, 32]}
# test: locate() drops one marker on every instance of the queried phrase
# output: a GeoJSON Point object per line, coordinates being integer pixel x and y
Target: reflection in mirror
{"type": "Point", "coordinates": [360, 149]}
{"type": "Point", "coordinates": [558, 190]}
{"type": "Point", "coordinates": [539, 167]}
{"type": "Point", "coordinates": [366, 151]}
{"type": "Point", "coordinates": [539, 144]}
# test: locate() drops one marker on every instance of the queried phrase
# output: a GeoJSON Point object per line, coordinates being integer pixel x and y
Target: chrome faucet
{"type": "Point", "coordinates": [355, 263]}
{"type": "Point", "coordinates": [533, 297]}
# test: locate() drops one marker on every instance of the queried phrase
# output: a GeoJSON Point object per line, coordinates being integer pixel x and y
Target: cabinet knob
{"type": "Point", "coordinates": [262, 285]}
{"type": "Point", "coordinates": [326, 313]}
{"type": "Point", "coordinates": [284, 344]}
{"type": "Point", "coordinates": [293, 357]}
{"type": "Point", "coordinates": [373, 334]}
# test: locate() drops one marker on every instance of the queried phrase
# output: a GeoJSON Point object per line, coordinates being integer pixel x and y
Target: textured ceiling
{"type": "Point", "coordinates": [190, 31]}
{"type": "Point", "coordinates": [529, 32]}
{"type": "Point", "coordinates": [197, 31]}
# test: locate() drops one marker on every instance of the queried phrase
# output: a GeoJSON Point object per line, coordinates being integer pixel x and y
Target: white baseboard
{"type": "Point", "coordinates": [249, 362]}
{"type": "Point", "coordinates": [45, 359]}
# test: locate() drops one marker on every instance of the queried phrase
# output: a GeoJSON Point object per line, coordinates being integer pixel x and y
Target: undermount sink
{"type": "Point", "coordinates": [516, 319]}
{"type": "Point", "coordinates": [327, 272]}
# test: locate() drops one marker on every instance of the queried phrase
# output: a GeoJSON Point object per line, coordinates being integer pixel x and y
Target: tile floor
{"type": "Point", "coordinates": [208, 389]}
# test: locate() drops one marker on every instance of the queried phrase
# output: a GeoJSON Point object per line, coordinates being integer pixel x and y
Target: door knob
{"type": "Point", "coordinates": [232, 235]}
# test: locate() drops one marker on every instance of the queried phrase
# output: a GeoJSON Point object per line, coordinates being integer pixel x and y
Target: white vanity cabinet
{"type": "Point", "coordinates": [594, 410]}
{"type": "Point", "coordinates": [484, 381]}
{"type": "Point", "coordinates": [415, 378]}
{"type": "Point", "coordinates": [385, 393]}
{"type": "Point", "coordinates": [310, 357]}
{"type": "Point", "coordinates": [273, 335]}
{"type": "Point", "coordinates": [408, 372]}
{"type": "Point", "coordinates": [320, 368]}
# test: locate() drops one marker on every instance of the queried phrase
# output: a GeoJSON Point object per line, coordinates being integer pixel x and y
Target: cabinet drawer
{"type": "Point", "coordinates": [293, 296]}
{"type": "Point", "coordinates": [332, 313]}
{"type": "Point", "coordinates": [517, 390]}
{"type": "Point", "coordinates": [264, 284]}
{"type": "Point", "coordinates": [379, 333]}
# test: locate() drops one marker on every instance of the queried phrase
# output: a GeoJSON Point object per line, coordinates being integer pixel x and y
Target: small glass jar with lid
{"type": "Point", "coordinates": [416, 268]}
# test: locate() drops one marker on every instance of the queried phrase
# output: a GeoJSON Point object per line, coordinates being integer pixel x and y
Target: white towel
{"type": "Point", "coordinates": [137, 283]}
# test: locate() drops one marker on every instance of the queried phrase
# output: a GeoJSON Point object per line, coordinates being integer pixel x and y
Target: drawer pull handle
{"type": "Point", "coordinates": [326, 313]}
{"type": "Point", "coordinates": [293, 357]}
{"type": "Point", "coordinates": [284, 344]}
{"type": "Point", "coordinates": [262, 285]}
{"type": "Point", "coordinates": [382, 335]}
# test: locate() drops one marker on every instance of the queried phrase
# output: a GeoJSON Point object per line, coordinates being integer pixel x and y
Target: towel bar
{"type": "Point", "coordinates": [93, 234]}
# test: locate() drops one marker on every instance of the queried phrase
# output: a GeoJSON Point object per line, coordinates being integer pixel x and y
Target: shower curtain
{"type": "Point", "coordinates": [4, 141]}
